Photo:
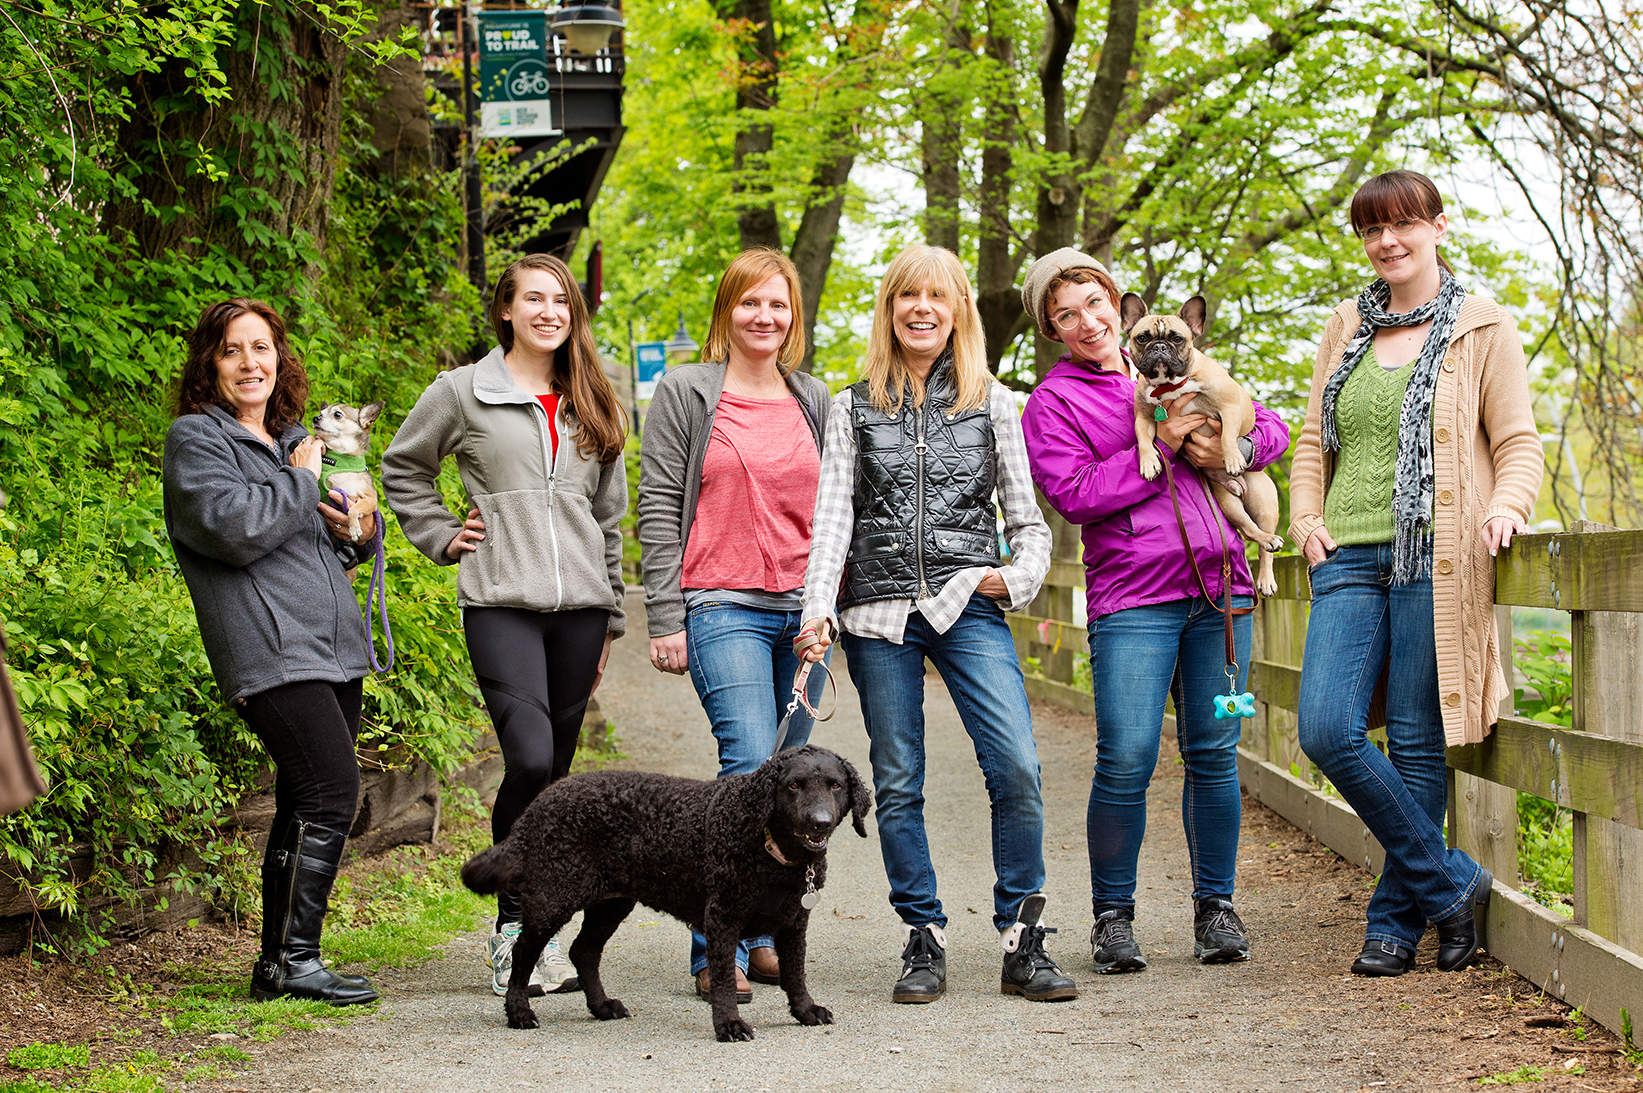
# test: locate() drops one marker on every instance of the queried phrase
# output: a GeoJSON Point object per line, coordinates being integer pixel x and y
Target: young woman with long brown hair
{"type": "Point", "coordinates": [538, 435]}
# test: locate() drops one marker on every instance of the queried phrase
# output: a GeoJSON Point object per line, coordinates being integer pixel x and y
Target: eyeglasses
{"type": "Point", "coordinates": [1071, 317]}
{"type": "Point", "coordinates": [1399, 228]}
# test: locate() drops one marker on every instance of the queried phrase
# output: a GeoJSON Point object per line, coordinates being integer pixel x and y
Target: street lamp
{"type": "Point", "coordinates": [587, 27]}
{"type": "Point", "coordinates": [681, 346]}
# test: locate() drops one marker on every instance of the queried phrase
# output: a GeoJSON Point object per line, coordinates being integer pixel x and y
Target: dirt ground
{"type": "Point", "coordinates": [1291, 1018]}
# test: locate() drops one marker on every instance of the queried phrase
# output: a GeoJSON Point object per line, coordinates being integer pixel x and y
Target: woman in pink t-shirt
{"type": "Point", "coordinates": [727, 487]}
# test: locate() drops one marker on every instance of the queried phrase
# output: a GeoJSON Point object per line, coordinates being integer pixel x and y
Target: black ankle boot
{"type": "Point", "coordinates": [1383, 958]}
{"type": "Point", "coordinates": [1028, 969]}
{"type": "Point", "coordinates": [1458, 934]}
{"type": "Point", "coordinates": [923, 967]}
{"type": "Point", "coordinates": [296, 884]}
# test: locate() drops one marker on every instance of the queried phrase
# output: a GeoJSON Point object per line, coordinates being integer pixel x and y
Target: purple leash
{"type": "Point", "coordinates": [377, 592]}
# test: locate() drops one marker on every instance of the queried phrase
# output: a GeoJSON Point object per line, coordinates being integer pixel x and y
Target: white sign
{"type": "Point", "coordinates": [530, 118]}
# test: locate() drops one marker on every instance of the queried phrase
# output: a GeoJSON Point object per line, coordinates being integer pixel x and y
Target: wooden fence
{"type": "Point", "coordinates": [1595, 769]}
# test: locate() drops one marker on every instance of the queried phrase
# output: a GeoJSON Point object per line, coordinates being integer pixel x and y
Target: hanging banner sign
{"type": "Point", "coordinates": [513, 75]}
{"type": "Point", "coordinates": [652, 363]}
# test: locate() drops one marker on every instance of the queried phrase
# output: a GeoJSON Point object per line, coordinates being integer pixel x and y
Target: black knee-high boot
{"type": "Point", "coordinates": [296, 884]}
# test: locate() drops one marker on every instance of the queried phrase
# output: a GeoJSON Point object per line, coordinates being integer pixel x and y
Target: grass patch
{"type": "Point", "coordinates": [26, 1085]}
{"type": "Point", "coordinates": [49, 1056]}
{"type": "Point", "coordinates": [1527, 1073]}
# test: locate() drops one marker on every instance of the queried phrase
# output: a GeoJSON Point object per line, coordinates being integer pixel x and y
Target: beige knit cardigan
{"type": "Point", "coordinates": [1487, 462]}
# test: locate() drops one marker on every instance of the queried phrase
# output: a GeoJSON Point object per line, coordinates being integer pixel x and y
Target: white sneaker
{"type": "Point", "coordinates": [499, 955]}
{"type": "Point", "coordinates": [554, 971]}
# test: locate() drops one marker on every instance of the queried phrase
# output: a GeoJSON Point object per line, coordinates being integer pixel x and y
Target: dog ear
{"type": "Point", "coordinates": [861, 801]}
{"type": "Point", "coordinates": [1131, 309]}
{"type": "Point", "coordinates": [368, 413]}
{"type": "Point", "coordinates": [1192, 313]}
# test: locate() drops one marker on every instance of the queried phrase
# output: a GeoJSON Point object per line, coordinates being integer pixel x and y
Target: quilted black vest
{"type": "Point", "coordinates": [923, 494]}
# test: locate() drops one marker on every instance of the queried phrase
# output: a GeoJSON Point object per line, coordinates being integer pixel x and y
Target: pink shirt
{"type": "Point", "coordinates": [752, 526]}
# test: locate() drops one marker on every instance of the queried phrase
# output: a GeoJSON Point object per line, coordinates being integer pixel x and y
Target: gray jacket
{"type": "Point", "coordinates": [266, 576]}
{"type": "Point", "coordinates": [677, 430]}
{"type": "Point", "coordinates": [553, 537]}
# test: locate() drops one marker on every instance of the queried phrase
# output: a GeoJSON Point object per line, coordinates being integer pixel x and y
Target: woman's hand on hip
{"type": "Point", "coordinates": [992, 585]}
{"type": "Point", "coordinates": [820, 633]}
{"type": "Point", "coordinates": [1175, 428]}
{"type": "Point", "coordinates": [467, 540]}
{"type": "Point", "coordinates": [1498, 532]}
{"type": "Point", "coordinates": [307, 454]}
{"type": "Point", "coordinates": [1318, 545]}
{"type": "Point", "coordinates": [667, 653]}
{"type": "Point", "coordinates": [604, 659]}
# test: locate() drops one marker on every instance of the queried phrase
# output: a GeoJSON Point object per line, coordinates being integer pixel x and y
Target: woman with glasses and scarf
{"type": "Point", "coordinates": [1418, 462]}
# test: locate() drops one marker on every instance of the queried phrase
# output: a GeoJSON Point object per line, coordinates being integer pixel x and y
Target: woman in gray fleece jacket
{"type": "Point", "coordinates": [264, 560]}
{"type": "Point", "coordinates": [538, 436]}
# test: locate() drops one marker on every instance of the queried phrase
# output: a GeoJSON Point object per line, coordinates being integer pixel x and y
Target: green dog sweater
{"type": "Point", "coordinates": [1358, 507]}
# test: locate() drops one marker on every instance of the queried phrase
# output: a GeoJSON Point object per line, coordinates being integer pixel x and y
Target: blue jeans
{"type": "Point", "coordinates": [1139, 656]}
{"type": "Point", "coordinates": [1361, 623]}
{"type": "Point", "coordinates": [976, 658]}
{"type": "Point", "coordinates": [742, 663]}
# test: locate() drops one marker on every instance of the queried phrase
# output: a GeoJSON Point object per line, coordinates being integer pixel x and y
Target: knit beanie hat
{"type": "Point", "coordinates": [1045, 270]}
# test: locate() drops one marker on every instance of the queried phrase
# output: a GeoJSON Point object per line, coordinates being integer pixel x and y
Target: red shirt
{"type": "Point", "coordinates": [550, 403]}
{"type": "Point", "coordinates": [752, 526]}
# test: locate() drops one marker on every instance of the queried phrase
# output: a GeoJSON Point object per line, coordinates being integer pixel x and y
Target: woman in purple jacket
{"type": "Point", "coordinates": [1152, 631]}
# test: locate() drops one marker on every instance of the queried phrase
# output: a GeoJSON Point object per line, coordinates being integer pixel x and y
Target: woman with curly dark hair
{"type": "Point", "coordinates": [265, 561]}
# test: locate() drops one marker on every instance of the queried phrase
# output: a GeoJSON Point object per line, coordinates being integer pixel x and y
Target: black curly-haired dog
{"type": "Point", "coordinates": [741, 856]}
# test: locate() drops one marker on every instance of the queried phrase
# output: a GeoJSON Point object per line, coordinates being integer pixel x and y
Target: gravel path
{"type": "Point", "coordinates": [1289, 1019]}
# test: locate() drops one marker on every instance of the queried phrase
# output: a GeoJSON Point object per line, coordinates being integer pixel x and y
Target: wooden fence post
{"type": "Point", "coordinates": [1485, 812]}
{"type": "Point", "coordinates": [1608, 701]}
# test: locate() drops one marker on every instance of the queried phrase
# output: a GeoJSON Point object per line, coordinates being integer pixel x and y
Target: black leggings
{"type": "Point", "coordinates": [536, 670]}
{"type": "Point", "coordinates": [309, 730]}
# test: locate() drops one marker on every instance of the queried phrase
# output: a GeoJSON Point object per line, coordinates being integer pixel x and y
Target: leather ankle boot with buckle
{"type": "Point", "coordinates": [297, 883]}
{"type": "Point", "coordinates": [1383, 958]}
{"type": "Point", "coordinates": [1458, 934]}
{"type": "Point", "coordinates": [923, 965]}
{"type": "Point", "coordinates": [1028, 969]}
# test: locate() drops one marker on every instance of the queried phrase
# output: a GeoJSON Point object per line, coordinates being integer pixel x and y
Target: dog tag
{"type": "Point", "coordinates": [809, 900]}
{"type": "Point", "coordinates": [1159, 413]}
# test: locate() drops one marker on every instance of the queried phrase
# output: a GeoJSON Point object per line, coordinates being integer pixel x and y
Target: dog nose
{"type": "Point", "coordinates": [823, 819]}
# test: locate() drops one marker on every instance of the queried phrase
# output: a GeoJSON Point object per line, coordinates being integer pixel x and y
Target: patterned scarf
{"type": "Point", "coordinates": [1412, 480]}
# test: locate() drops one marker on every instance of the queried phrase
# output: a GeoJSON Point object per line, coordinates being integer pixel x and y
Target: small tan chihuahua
{"type": "Point", "coordinates": [346, 433]}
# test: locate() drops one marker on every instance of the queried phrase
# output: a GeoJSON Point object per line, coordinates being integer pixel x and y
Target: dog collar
{"type": "Point", "coordinates": [772, 849]}
{"type": "Point", "coordinates": [1166, 388]}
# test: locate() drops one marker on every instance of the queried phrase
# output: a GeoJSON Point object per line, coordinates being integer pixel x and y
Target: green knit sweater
{"type": "Point", "coordinates": [1358, 507]}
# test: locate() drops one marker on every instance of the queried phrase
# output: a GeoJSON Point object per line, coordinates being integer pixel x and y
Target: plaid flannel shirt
{"type": "Point", "coordinates": [833, 526]}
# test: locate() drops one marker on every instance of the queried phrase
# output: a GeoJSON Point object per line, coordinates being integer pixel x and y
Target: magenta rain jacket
{"type": "Point", "coordinates": [1080, 429]}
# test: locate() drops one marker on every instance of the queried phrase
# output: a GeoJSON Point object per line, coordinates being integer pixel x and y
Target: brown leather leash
{"type": "Point", "coordinates": [1228, 611]}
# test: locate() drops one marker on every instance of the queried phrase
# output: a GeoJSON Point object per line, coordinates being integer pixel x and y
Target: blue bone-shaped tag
{"type": "Point", "coordinates": [1234, 705]}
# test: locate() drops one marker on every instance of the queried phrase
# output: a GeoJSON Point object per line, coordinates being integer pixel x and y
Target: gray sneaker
{"type": "Point", "coordinates": [555, 972]}
{"type": "Point", "coordinates": [1112, 943]}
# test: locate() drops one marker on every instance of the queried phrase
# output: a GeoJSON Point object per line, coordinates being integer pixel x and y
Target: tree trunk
{"type": "Point", "coordinates": [941, 134]}
{"type": "Point", "coordinates": [814, 241]}
{"type": "Point", "coordinates": [756, 87]}
{"type": "Point", "coordinates": [997, 297]}
{"type": "Point", "coordinates": [252, 175]}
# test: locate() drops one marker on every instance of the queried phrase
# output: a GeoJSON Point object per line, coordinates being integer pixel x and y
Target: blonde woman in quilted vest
{"type": "Point", "coordinates": [1418, 462]}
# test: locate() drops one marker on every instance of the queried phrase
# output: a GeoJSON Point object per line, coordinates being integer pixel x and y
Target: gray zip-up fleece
{"type": "Point", "coordinates": [553, 538]}
{"type": "Point", "coordinates": [266, 575]}
{"type": "Point", "coordinates": [677, 430]}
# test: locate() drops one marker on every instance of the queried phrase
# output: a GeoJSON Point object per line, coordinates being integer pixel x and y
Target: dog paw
{"type": "Point", "coordinates": [734, 1029]}
{"type": "Point", "coordinates": [813, 1015]}
{"type": "Point", "coordinates": [1150, 464]}
{"type": "Point", "coordinates": [1273, 542]}
{"type": "Point", "coordinates": [611, 1009]}
{"type": "Point", "coordinates": [523, 1017]}
{"type": "Point", "coordinates": [1235, 463]}
{"type": "Point", "coordinates": [1267, 587]}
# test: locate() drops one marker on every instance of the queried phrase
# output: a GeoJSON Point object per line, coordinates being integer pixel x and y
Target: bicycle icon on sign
{"type": "Point", "coordinates": [529, 85]}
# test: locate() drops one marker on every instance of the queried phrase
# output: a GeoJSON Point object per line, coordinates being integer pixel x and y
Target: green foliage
{"type": "Point", "coordinates": [1543, 658]}
{"type": "Point", "coordinates": [1526, 1073]}
{"type": "Point", "coordinates": [141, 757]}
{"type": "Point", "coordinates": [39, 1056]}
{"type": "Point", "coordinates": [1546, 852]}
